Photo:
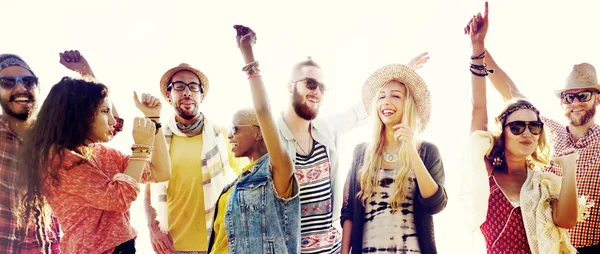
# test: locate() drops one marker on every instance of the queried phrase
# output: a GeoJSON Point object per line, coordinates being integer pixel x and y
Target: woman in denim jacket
{"type": "Point", "coordinates": [260, 211]}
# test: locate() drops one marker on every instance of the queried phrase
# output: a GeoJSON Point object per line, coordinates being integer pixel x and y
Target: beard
{"type": "Point", "coordinates": [583, 120]}
{"type": "Point", "coordinates": [302, 110]}
{"type": "Point", "coordinates": [186, 114]}
{"type": "Point", "coordinates": [26, 113]}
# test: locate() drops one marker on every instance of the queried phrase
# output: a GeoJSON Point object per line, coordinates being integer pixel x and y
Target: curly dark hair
{"type": "Point", "coordinates": [63, 122]}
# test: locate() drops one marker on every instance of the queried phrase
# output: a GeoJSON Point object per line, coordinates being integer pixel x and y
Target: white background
{"type": "Point", "coordinates": [130, 44]}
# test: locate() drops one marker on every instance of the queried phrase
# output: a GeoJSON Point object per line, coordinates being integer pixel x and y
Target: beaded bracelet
{"type": "Point", "coordinates": [140, 150]}
{"type": "Point", "coordinates": [251, 68]}
{"type": "Point", "coordinates": [134, 146]}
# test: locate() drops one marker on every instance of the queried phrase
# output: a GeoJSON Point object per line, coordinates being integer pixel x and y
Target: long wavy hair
{"type": "Point", "coordinates": [369, 173]}
{"type": "Point", "coordinates": [540, 157]}
{"type": "Point", "coordinates": [63, 123]}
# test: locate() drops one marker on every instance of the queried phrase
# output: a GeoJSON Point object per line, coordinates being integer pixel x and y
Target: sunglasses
{"type": "Point", "coordinates": [312, 84]}
{"type": "Point", "coordinates": [29, 82]}
{"type": "Point", "coordinates": [518, 127]}
{"type": "Point", "coordinates": [568, 98]}
{"type": "Point", "coordinates": [180, 86]}
{"type": "Point", "coordinates": [235, 128]}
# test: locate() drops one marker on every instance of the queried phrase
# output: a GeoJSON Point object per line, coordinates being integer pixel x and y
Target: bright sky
{"type": "Point", "coordinates": [130, 44]}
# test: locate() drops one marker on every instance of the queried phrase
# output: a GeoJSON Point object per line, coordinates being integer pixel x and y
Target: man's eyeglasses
{"type": "Point", "coordinates": [568, 98]}
{"type": "Point", "coordinates": [180, 86]}
{"type": "Point", "coordinates": [312, 84]}
{"type": "Point", "coordinates": [518, 127]}
{"type": "Point", "coordinates": [235, 128]}
{"type": "Point", "coordinates": [29, 82]}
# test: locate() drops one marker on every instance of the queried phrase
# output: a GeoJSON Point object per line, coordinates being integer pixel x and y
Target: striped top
{"type": "Point", "coordinates": [313, 173]}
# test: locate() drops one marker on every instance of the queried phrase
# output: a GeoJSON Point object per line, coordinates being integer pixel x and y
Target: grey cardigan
{"type": "Point", "coordinates": [353, 210]}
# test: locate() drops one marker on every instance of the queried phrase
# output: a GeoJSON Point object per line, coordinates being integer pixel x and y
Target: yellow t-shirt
{"type": "Point", "coordinates": [220, 245]}
{"type": "Point", "coordinates": [185, 192]}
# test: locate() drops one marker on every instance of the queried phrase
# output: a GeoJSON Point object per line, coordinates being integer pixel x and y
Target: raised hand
{"type": "Point", "coordinates": [74, 61]}
{"type": "Point", "coordinates": [245, 36]}
{"type": "Point", "coordinates": [418, 61]}
{"type": "Point", "coordinates": [143, 131]}
{"type": "Point", "coordinates": [477, 27]}
{"type": "Point", "coordinates": [403, 133]}
{"type": "Point", "coordinates": [150, 105]}
{"type": "Point", "coordinates": [567, 158]}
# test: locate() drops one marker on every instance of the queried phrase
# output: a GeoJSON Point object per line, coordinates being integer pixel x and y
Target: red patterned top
{"type": "Point", "coordinates": [588, 176]}
{"type": "Point", "coordinates": [503, 229]}
{"type": "Point", "coordinates": [92, 201]}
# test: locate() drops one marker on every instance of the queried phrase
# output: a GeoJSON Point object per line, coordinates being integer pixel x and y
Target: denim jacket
{"type": "Point", "coordinates": [257, 219]}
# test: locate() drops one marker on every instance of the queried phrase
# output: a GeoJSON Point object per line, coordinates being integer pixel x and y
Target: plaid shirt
{"type": "Point", "coordinates": [586, 233]}
{"type": "Point", "coordinates": [11, 239]}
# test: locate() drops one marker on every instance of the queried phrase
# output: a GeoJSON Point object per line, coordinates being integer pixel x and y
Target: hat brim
{"type": "Point", "coordinates": [576, 86]}
{"type": "Point", "coordinates": [407, 76]}
{"type": "Point", "coordinates": [166, 78]}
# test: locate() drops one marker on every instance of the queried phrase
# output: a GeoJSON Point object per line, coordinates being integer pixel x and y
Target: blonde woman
{"type": "Point", "coordinates": [396, 183]}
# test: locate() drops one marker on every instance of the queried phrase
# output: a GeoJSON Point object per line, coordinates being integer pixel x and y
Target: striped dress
{"type": "Point", "coordinates": [313, 173]}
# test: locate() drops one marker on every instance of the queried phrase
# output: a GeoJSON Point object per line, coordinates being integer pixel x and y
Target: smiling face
{"type": "Point", "coordinates": [526, 143]}
{"type": "Point", "coordinates": [18, 101]}
{"type": "Point", "coordinates": [305, 101]}
{"type": "Point", "coordinates": [244, 134]}
{"type": "Point", "coordinates": [390, 103]}
{"type": "Point", "coordinates": [581, 113]}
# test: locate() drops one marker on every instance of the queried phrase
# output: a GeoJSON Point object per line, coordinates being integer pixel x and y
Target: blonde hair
{"type": "Point", "coordinates": [369, 173]}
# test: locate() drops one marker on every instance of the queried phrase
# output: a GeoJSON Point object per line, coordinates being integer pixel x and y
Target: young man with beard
{"type": "Point", "coordinates": [579, 99]}
{"type": "Point", "coordinates": [180, 212]}
{"type": "Point", "coordinates": [19, 94]}
{"type": "Point", "coordinates": [312, 142]}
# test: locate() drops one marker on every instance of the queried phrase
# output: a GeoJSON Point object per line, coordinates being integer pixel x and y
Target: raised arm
{"type": "Point", "coordinates": [477, 29]}
{"type": "Point", "coordinates": [160, 164]}
{"type": "Point", "coordinates": [280, 160]}
{"type": "Point", "coordinates": [501, 81]}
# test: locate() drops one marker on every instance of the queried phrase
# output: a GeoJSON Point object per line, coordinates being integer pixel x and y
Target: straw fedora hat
{"type": "Point", "coordinates": [582, 76]}
{"type": "Point", "coordinates": [166, 78]}
{"type": "Point", "coordinates": [407, 76]}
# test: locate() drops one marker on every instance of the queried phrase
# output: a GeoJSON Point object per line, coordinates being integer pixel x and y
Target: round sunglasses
{"type": "Point", "coordinates": [518, 127]}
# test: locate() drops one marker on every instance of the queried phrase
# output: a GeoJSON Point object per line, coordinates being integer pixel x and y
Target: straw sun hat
{"type": "Point", "coordinates": [582, 76]}
{"type": "Point", "coordinates": [166, 78]}
{"type": "Point", "coordinates": [407, 76]}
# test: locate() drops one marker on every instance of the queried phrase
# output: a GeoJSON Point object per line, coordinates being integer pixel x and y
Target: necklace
{"type": "Point", "coordinates": [390, 157]}
{"type": "Point", "coordinates": [309, 146]}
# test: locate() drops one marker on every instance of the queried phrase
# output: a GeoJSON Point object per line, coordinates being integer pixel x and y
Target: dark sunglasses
{"type": "Point", "coordinates": [312, 84]}
{"type": "Point", "coordinates": [180, 86]}
{"type": "Point", "coordinates": [29, 82]}
{"type": "Point", "coordinates": [518, 127]}
{"type": "Point", "coordinates": [568, 98]}
{"type": "Point", "coordinates": [235, 128]}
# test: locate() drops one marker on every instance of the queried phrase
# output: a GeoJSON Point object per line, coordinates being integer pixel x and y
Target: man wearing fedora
{"type": "Point", "coordinates": [180, 212]}
{"type": "Point", "coordinates": [312, 143]}
{"type": "Point", "coordinates": [579, 98]}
